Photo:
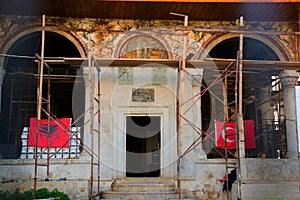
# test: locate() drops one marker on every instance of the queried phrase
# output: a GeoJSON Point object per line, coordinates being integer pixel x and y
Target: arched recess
{"type": "Point", "coordinates": [19, 89]}
{"type": "Point", "coordinates": [254, 48]}
{"type": "Point", "coordinates": [271, 42]}
{"type": "Point", "coordinates": [142, 46]}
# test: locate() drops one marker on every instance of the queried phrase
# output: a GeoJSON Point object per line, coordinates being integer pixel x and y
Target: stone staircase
{"type": "Point", "coordinates": [142, 189]}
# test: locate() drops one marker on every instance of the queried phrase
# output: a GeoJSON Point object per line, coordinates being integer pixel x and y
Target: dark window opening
{"type": "Point", "coordinates": [252, 81]}
{"type": "Point", "coordinates": [19, 90]}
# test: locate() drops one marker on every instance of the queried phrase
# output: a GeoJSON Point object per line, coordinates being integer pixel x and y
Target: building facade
{"type": "Point", "coordinates": [154, 91]}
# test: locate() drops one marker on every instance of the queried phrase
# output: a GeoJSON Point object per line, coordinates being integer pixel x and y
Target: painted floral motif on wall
{"type": "Point", "coordinates": [143, 47]}
{"type": "Point", "coordinates": [125, 75]}
{"type": "Point", "coordinates": [159, 76]}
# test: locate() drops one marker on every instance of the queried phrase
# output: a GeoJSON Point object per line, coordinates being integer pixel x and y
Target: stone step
{"type": "Point", "coordinates": [167, 199]}
{"type": "Point", "coordinates": [150, 187]}
{"type": "Point", "coordinates": [143, 188]}
{"type": "Point", "coordinates": [146, 181]}
{"type": "Point", "coordinates": [140, 195]}
{"type": "Point", "coordinates": [184, 199]}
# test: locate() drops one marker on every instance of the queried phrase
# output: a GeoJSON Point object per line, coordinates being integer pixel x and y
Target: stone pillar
{"type": "Point", "coordinates": [289, 80]}
{"type": "Point", "coordinates": [2, 73]}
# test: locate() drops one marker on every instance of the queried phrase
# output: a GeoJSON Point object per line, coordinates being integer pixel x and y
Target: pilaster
{"type": "Point", "coordinates": [86, 135]}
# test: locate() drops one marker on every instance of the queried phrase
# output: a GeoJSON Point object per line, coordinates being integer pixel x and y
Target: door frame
{"type": "Point", "coordinates": [168, 139]}
{"type": "Point", "coordinates": [160, 140]}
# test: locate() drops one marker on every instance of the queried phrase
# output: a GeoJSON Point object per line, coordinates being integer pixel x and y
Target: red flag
{"type": "Point", "coordinates": [59, 133]}
{"type": "Point", "coordinates": [230, 135]}
{"type": "Point", "coordinates": [250, 142]}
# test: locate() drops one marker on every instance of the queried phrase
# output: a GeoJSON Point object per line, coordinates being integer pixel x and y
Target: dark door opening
{"type": "Point", "coordinates": [143, 146]}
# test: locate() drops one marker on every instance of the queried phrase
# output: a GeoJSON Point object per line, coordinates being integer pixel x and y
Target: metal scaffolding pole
{"type": "Point", "coordinates": [99, 128]}
{"type": "Point", "coordinates": [91, 95]}
{"type": "Point", "coordinates": [48, 110]}
{"type": "Point", "coordinates": [39, 103]}
{"type": "Point", "coordinates": [180, 100]}
{"type": "Point", "coordinates": [240, 136]}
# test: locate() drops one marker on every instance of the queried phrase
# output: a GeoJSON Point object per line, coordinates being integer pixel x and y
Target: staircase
{"type": "Point", "coordinates": [142, 189]}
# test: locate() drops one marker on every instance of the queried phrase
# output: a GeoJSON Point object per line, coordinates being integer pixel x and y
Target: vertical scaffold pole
{"type": "Point", "coordinates": [39, 103]}
{"type": "Point", "coordinates": [99, 127]}
{"type": "Point", "coordinates": [240, 136]}
{"type": "Point", "coordinates": [91, 95]}
{"type": "Point", "coordinates": [48, 110]}
{"type": "Point", "coordinates": [180, 99]}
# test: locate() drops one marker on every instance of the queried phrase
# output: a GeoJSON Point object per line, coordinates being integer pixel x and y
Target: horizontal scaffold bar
{"type": "Point", "coordinates": [208, 63]}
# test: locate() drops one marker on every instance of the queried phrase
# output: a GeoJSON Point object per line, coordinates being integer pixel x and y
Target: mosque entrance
{"type": "Point", "coordinates": [143, 143]}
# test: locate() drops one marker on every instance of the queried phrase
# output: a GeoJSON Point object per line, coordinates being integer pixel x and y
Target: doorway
{"type": "Point", "coordinates": [143, 143]}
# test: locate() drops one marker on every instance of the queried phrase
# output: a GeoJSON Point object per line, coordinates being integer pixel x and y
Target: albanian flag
{"type": "Point", "coordinates": [58, 135]}
{"type": "Point", "coordinates": [228, 132]}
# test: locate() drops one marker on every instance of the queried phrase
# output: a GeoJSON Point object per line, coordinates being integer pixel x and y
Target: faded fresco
{"type": "Point", "coordinates": [125, 75]}
{"type": "Point", "coordinates": [143, 47]}
{"type": "Point", "coordinates": [105, 34]}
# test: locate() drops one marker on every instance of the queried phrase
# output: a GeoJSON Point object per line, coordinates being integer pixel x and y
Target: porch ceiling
{"type": "Point", "coordinates": [153, 9]}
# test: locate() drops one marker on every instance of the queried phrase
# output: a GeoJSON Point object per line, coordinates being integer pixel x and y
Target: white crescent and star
{"type": "Point", "coordinates": [223, 134]}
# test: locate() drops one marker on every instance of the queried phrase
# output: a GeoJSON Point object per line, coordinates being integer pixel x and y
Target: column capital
{"type": "Point", "coordinates": [289, 78]}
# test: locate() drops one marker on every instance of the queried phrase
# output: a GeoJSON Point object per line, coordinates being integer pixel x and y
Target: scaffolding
{"type": "Point", "coordinates": [91, 66]}
{"type": "Point", "coordinates": [181, 65]}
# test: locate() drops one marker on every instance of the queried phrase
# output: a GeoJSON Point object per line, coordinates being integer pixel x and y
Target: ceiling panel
{"type": "Point", "coordinates": [151, 10]}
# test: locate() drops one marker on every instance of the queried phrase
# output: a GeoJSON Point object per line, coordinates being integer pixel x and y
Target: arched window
{"type": "Point", "coordinates": [19, 90]}
{"type": "Point", "coordinates": [253, 82]}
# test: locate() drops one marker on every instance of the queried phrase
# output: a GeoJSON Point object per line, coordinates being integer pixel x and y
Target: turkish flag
{"type": "Point", "coordinates": [229, 131]}
{"type": "Point", "coordinates": [58, 136]}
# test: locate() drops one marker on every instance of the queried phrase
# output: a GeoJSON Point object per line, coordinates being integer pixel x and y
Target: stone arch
{"type": "Point", "coordinates": [26, 31]}
{"type": "Point", "coordinates": [269, 41]}
{"type": "Point", "coordinates": [69, 36]}
{"type": "Point", "coordinates": [29, 30]}
{"type": "Point", "coordinates": [146, 46]}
